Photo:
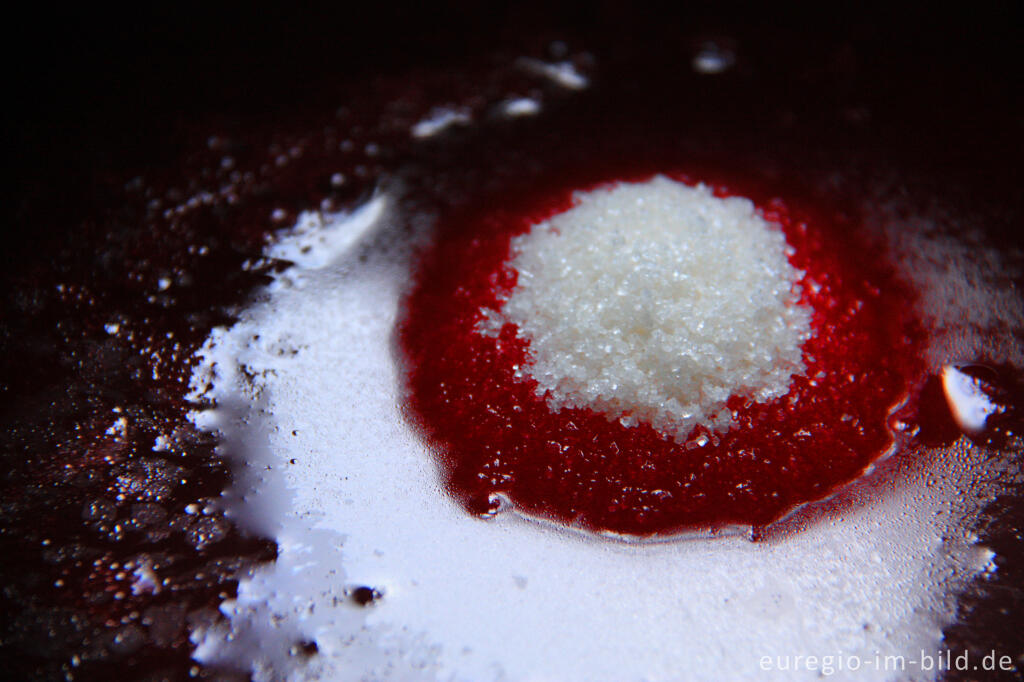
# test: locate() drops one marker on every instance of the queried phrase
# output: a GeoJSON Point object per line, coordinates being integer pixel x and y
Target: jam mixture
{"type": "Point", "coordinates": [500, 444]}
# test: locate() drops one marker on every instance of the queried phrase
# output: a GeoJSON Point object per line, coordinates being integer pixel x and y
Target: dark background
{"type": "Point", "coordinates": [96, 96]}
{"type": "Point", "coordinates": [97, 90]}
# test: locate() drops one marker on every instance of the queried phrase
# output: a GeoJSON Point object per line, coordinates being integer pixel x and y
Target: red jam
{"type": "Point", "coordinates": [496, 439]}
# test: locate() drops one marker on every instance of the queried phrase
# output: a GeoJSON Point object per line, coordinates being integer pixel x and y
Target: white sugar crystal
{"type": "Point", "coordinates": [657, 301]}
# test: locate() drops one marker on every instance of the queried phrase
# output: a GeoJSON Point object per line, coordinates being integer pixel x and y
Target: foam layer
{"type": "Point", "coordinates": [658, 301]}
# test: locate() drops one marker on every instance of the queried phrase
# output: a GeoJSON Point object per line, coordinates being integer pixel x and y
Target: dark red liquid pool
{"type": "Point", "coordinates": [496, 439]}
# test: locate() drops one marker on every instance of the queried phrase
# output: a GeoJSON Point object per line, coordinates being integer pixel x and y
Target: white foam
{"type": "Point", "coordinates": [656, 302]}
{"type": "Point", "coordinates": [352, 496]}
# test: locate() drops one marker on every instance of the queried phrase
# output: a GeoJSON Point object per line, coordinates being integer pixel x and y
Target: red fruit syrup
{"type": "Point", "coordinates": [499, 443]}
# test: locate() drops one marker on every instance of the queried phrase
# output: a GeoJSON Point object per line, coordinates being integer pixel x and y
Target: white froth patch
{"type": "Point", "coordinates": [305, 393]}
{"type": "Point", "coordinates": [656, 302]}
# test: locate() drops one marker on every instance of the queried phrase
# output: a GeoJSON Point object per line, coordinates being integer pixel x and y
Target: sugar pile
{"type": "Point", "coordinates": [656, 302]}
{"type": "Point", "coordinates": [306, 395]}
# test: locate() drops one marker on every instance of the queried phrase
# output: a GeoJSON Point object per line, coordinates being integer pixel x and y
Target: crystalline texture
{"type": "Point", "coordinates": [657, 301]}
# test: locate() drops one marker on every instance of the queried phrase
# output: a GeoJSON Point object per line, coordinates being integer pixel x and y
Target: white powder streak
{"type": "Point", "coordinates": [965, 284]}
{"type": "Point", "coordinates": [439, 120]}
{"type": "Point", "coordinates": [521, 106]}
{"type": "Point", "coordinates": [563, 73]}
{"type": "Point", "coordinates": [506, 599]}
{"type": "Point", "coordinates": [318, 238]}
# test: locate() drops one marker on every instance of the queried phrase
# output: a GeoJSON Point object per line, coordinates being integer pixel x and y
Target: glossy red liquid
{"type": "Point", "coordinates": [494, 436]}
